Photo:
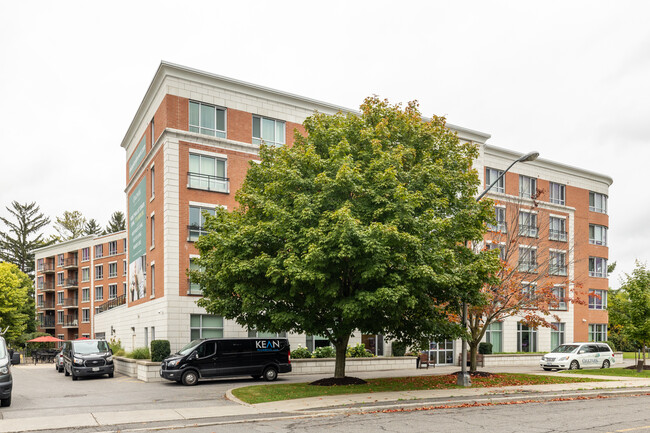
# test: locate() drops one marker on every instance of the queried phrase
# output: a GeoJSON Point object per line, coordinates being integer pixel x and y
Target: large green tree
{"type": "Point", "coordinates": [634, 308]}
{"type": "Point", "coordinates": [22, 235]}
{"type": "Point", "coordinates": [92, 227]}
{"type": "Point", "coordinates": [70, 225]}
{"type": "Point", "coordinates": [14, 294]}
{"type": "Point", "coordinates": [360, 226]}
{"type": "Point", "coordinates": [116, 223]}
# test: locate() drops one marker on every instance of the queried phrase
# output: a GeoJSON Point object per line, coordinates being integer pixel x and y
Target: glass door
{"type": "Point", "coordinates": [442, 353]}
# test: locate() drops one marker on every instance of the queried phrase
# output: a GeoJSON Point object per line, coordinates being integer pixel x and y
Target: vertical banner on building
{"type": "Point", "coordinates": [138, 241]}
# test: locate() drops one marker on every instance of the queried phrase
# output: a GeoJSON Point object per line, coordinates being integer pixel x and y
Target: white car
{"type": "Point", "coordinates": [578, 355]}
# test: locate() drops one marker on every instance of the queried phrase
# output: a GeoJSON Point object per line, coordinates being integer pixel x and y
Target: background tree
{"type": "Point", "coordinates": [14, 288]}
{"type": "Point", "coordinates": [92, 227]}
{"type": "Point", "coordinates": [617, 301]}
{"type": "Point", "coordinates": [360, 226]}
{"type": "Point", "coordinates": [22, 235]}
{"type": "Point", "coordinates": [116, 223]}
{"type": "Point", "coordinates": [70, 225]}
{"type": "Point", "coordinates": [635, 309]}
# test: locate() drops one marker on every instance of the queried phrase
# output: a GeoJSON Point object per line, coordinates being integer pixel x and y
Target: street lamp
{"type": "Point", "coordinates": [464, 378]}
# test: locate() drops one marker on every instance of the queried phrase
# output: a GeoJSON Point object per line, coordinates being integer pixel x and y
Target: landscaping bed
{"type": "Point", "coordinates": [267, 393]}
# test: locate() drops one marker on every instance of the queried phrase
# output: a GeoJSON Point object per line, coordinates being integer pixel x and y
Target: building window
{"type": "Point", "coordinates": [598, 332]}
{"type": "Point", "coordinates": [153, 281]}
{"type": "Point", "coordinates": [197, 222]}
{"type": "Point", "coordinates": [205, 326]}
{"type": "Point", "coordinates": [269, 131]}
{"type": "Point", "coordinates": [59, 279]}
{"type": "Point", "coordinates": [112, 291]}
{"type": "Point", "coordinates": [527, 186]}
{"type": "Point", "coordinates": [40, 301]}
{"type": "Point", "coordinates": [153, 133]}
{"type": "Point", "coordinates": [153, 182]}
{"type": "Point", "coordinates": [527, 259]}
{"type": "Point", "coordinates": [85, 294]}
{"type": "Point", "coordinates": [526, 338]}
{"type": "Point", "coordinates": [153, 231]}
{"type": "Point", "coordinates": [97, 310]}
{"type": "Point", "coordinates": [597, 299]}
{"type": "Point", "coordinates": [501, 247]}
{"type": "Point", "coordinates": [85, 274]}
{"type": "Point", "coordinates": [125, 267]}
{"type": "Point", "coordinates": [61, 260]}
{"type": "Point", "coordinates": [597, 235]}
{"type": "Point", "coordinates": [85, 254]}
{"type": "Point", "coordinates": [491, 175]}
{"type": "Point", "coordinates": [597, 267]}
{"type": "Point", "coordinates": [207, 119]}
{"type": "Point", "coordinates": [557, 334]}
{"type": "Point", "coordinates": [557, 263]}
{"type": "Point", "coordinates": [99, 293]}
{"type": "Point", "coordinates": [124, 288]}
{"type": "Point", "coordinates": [59, 298]}
{"type": "Point", "coordinates": [207, 173]}
{"type": "Point", "coordinates": [500, 217]}
{"type": "Point", "coordinates": [559, 303]}
{"type": "Point", "coordinates": [99, 272]}
{"type": "Point", "coordinates": [557, 193]}
{"type": "Point", "coordinates": [252, 333]}
{"type": "Point", "coordinates": [99, 251]}
{"type": "Point", "coordinates": [112, 248]}
{"type": "Point", "coordinates": [597, 202]}
{"type": "Point", "coordinates": [59, 317]}
{"type": "Point", "coordinates": [112, 270]}
{"type": "Point", "coordinates": [85, 315]}
{"type": "Point", "coordinates": [494, 335]}
{"type": "Point", "coordinates": [39, 265]}
{"type": "Point", "coordinates": [315, 341]}
{"type": "Point", "coordinates": [528, 291]}
{"type": "Point", "coordinates": [557, 229]}
{"type": "Point", "coordinates": [194, 288]}
{"type": "Point", "coordinates": [528, 224]}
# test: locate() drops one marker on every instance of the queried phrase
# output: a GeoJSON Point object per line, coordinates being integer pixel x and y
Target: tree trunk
{"type": "Point", "coordinates": [473, 352]}
{"type": "Point", "coordinates": [641, 363]}
{"type": "Point", "coordinates": [341, 346]}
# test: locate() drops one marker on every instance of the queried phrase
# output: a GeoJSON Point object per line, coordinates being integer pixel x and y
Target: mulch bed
{"type": "Point", "coordinates": [334, 381]}
{"type": "Point", "coordinates": [475, 374]}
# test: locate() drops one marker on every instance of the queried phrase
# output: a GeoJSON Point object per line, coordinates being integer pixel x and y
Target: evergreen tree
{"type": "Point", "coordinates": [117, 223]}
{"type": "Point", "coordinates": [92, 227]}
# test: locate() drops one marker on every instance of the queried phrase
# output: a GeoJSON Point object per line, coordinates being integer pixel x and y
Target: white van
{"type": "Point", "coordinates": [578, 355]}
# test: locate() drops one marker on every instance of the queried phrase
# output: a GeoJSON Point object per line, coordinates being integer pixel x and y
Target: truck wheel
{"type": "Point", "coordinates": [190, 378]}
{"type": "Point", "coordinates": [5, 402]}
{"type": "Point", "coordinates": [74, 376]}
{"type": "Point", "coordinates": [606, 363]}
{"type": "Point", "coordinates": [110, 374]}
{"type": "Point", "coordinates": [270, 374]}
{"type": "Point", "coordinates": [574, 365]}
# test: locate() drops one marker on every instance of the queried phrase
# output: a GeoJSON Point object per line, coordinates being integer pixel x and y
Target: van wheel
{"type": "Point", "coordinates": [190, 378]}
{"type": "Point", "coordinates": [574, 365]}
{"type": "Point", "coordinates": [605, 364]}
{"type": "Point", "coordinates": [5, 402]}
{"type": "Point", "coordinates": [270, 374]}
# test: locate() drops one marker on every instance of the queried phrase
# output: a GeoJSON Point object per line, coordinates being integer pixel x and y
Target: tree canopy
{"type": "Point", "coordinates": [361, 225]}
{"type": "Point", "coordinates": [634, 307]}
{"type": "Point", "coordinates": [92, 227]}
{"type": "Point", "coordinates": [14, 289]}
{"type": "Point", "coordinates": [70, 225]}
{"type": "Point", "coordinates": [116, 223]}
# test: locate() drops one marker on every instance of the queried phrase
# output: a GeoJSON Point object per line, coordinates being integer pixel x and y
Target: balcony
{"type": "Point", "coordinates": [194, 231]}
{"type": "Point", "coordinates": [120, 300]}
{"type": "Point", "coordinates": [46, 305]}
{"type": "Point", "coordinates": [70, 321]}
{"type": "Point", "coordinates": [45, 286]}
{"type": "Point", "coordinates": [46, 322]}
{"type": "Point", "coordinates": [70, 283]}
{"type": "Point", "coordinates": [70, 302]}
{"type": "Point", "coordinates": [70, 262]}
{"type": "Point", "coordinates": [557, 235]}
{"type": "Point", "coordinates": [47, 268]}
{"type": "Point", "coordinates": [207, 182]}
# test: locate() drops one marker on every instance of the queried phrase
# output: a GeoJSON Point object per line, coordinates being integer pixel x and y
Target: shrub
{"type": "Point", "coordinates": [300, 353]}
{"type": "Point", "coordinates": [485, 348]}
{"type": "Point", "coordinates": [160, 350]}
{"type": "Point", "coordinates": [612, 345]}
{"type": "Point", "coordinates": [139, 353]}
{"type": "Point", "coordinates": [115, 345]}
{"type": "Point", "coordinates": [324, 352]}
{"type": "Point", "coordinates": [399, 349]}
{"type": "Point", "coordinates": [358, 351]}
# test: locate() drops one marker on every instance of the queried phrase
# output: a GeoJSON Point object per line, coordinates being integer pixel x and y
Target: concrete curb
{"type": "Point", "coordinates": [231, 397]}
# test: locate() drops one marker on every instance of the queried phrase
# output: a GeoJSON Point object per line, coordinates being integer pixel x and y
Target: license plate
{"type": "Point", "coordinates": [95, 368]}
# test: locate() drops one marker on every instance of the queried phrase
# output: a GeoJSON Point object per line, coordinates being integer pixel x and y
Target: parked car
{"type": "Point", "coordinates": [58, 361]}
{"type": "Point", "coordinates": [87, 358]}
{"type": "Point", "coordinates": [209, 358]}
{"type": "Point", "coordinates": [578, 355]}
{"type": "Point", "coordinates": [6, 382]}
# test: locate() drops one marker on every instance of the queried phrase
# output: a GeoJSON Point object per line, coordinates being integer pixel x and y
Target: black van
{"type": "Point", "coordinates": [87, 358]}
{"type": "Point", "coordinates": [6, 382]}
{"type": "Point", "coordinates": [215, 357]}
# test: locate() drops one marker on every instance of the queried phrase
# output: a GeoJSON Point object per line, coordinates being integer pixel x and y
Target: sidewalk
{"type": "Point", "coordinates": [327, 405]}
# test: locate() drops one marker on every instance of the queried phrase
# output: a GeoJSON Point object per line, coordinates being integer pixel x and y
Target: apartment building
{"type": "Point", "coordinates": [188, 148]}
{"type": "Point", "coordinates": [77, 279]}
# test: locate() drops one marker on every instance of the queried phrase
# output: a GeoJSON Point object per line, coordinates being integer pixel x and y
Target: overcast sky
{"type": "Point", "coordinates": [570, 79]}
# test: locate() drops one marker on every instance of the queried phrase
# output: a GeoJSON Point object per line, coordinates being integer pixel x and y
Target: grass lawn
{"type": "Point", "coordinates": [266, 393]}
{"type": "Point", "coordinates": [611, 372]}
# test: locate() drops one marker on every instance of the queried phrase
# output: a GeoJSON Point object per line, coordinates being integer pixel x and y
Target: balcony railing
{"type": "Point", "coordinates": [120, 300]}
{"type": "Point", "coordinates": [526, 266]}
{"type": "Point", "coordinates": [207, 182]}
{"type": "Point", "coordinates": [194, 231]}
{"type": "Point", "coordinates": [70, 302]}
{"type": "Point", "coordinates": [47, 268]}
{"type": "Point", "coordinates": [528, 230]}
{"type": "Point", "coordinates": [557, 270]}
{"type": "Point", "coordinates": [45, 286]}
{"type": "Point", "coordinates": [557, 235]}
{"type": "Point", "coordinates": [194, 288]}
{"type": "Point", "coordinates": [46, 305]}
{"type": "Point", "coordinates": [70, 282]}
{"type": "Point", "coordinates": [46, 322]}
{"type": "Point", "coordinates": [70, 262]}
{"type": "Point", "coordinates": [498, 227]}
{"type": "Point", "coordinates": [70, 321]}
{"type": "Point", "coordinates": [559, 305]}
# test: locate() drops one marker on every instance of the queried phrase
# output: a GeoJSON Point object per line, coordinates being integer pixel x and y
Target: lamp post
{"type": "Point", "coordinates": [464, 378]}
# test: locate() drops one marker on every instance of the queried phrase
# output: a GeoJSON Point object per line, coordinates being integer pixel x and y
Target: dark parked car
{"type": "Point", "coordinates": [208, 358]}
{"type": "Point", "coordinates": [87, 358]}
{"type": "Point", "coordinates": [6, 382]}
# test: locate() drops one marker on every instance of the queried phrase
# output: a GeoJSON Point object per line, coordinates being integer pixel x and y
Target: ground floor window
{"type": "Point", "coordinates": [526, 338]}
{"type": "Point", "coordinates": [205, 326]}
{"type": "Point", "coordinates": [374, 343]}
{"type": "Point", "coordinates": [442, 352]}
{"type": "Point", "coordinates": [494, 335]}
{"type": "Point", "coordinates": [256, 334]}
{"type": "Point", "coordinates": [100, 335]}
{"type": "Point", "coordinates": [557, 335]}
{"type": "Point", "coordinates": [598, 332]}
{"type": "Point", "coordinates": [315, 341]}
